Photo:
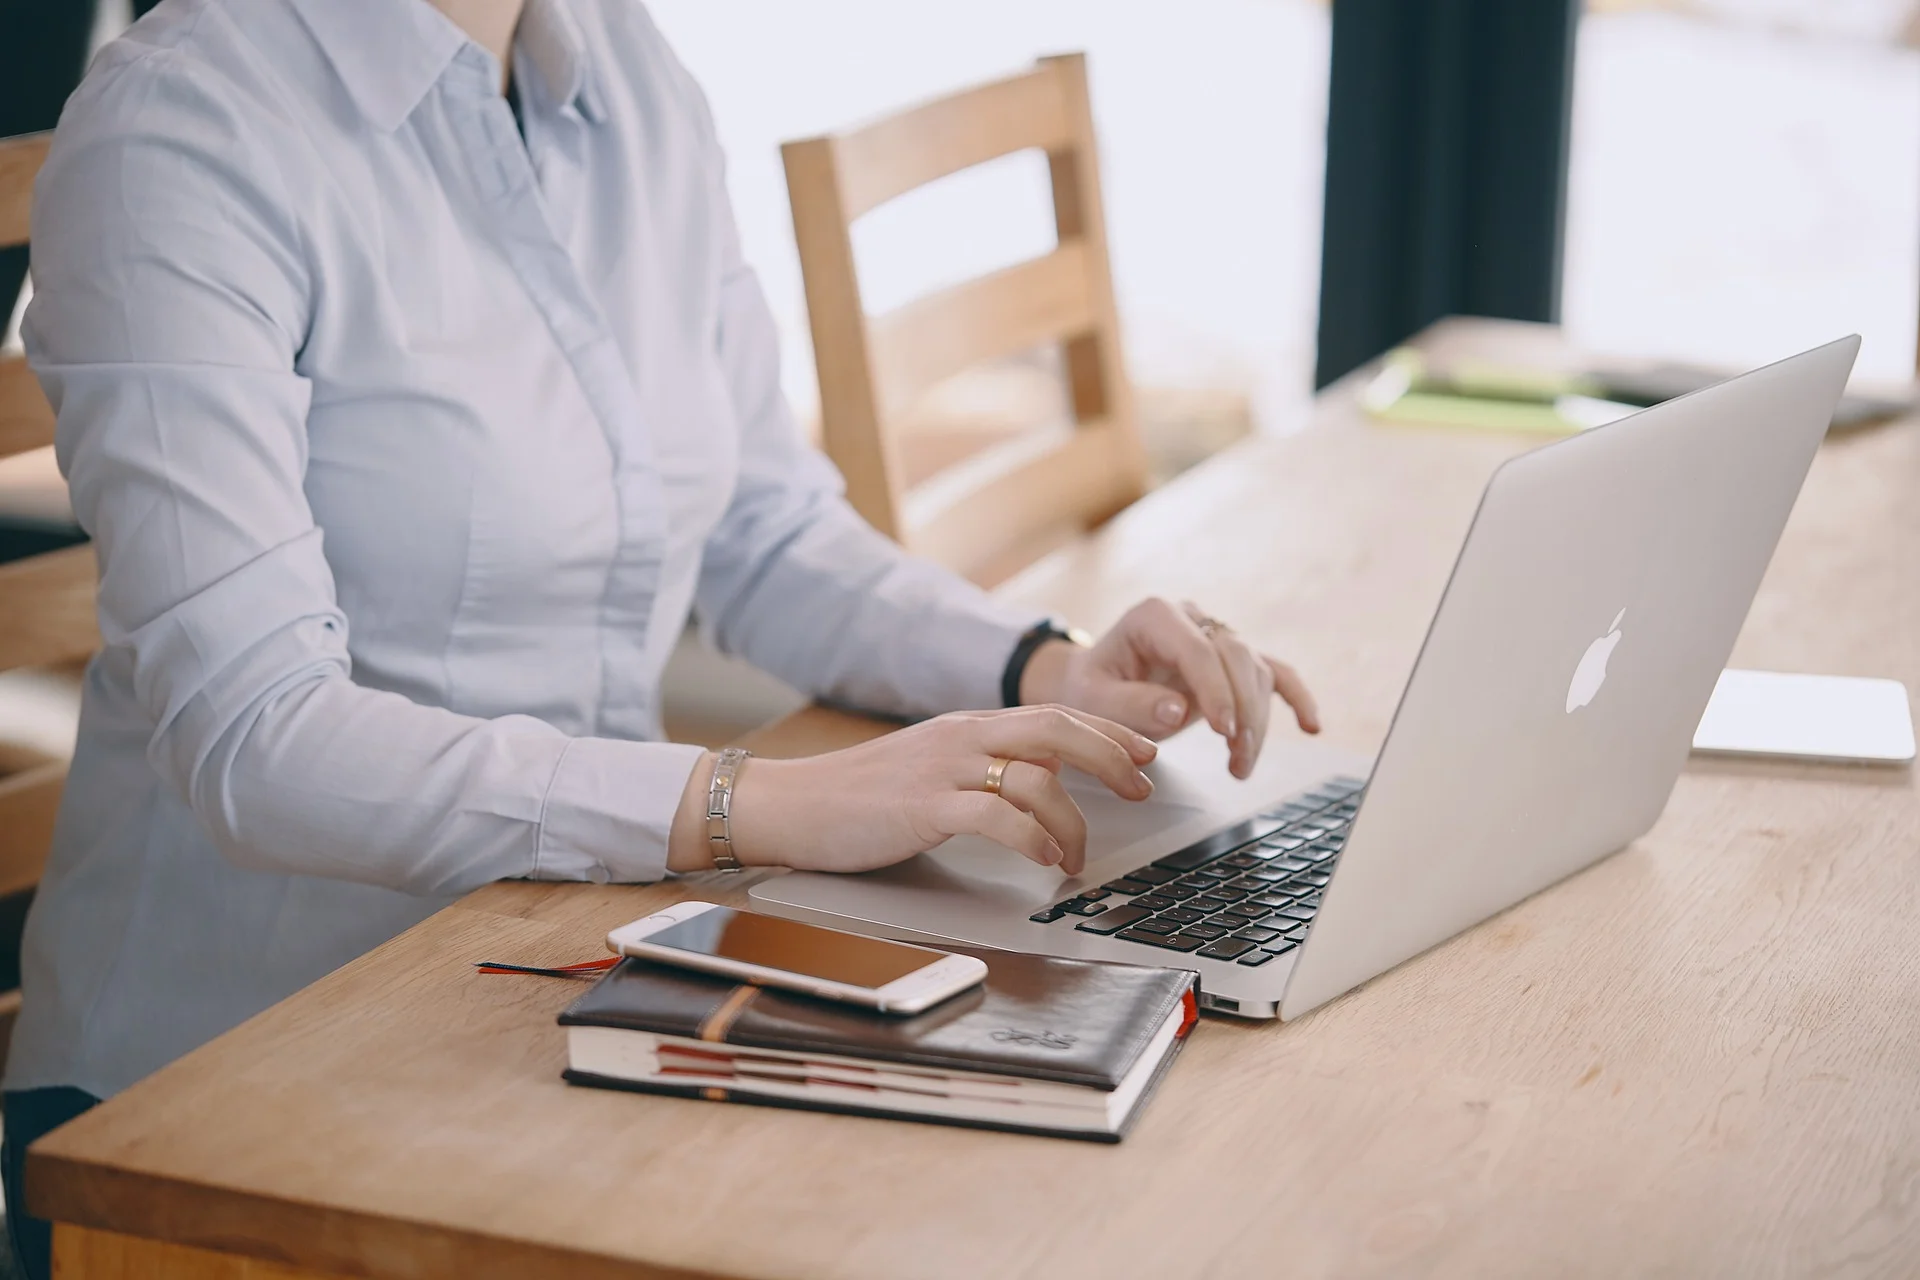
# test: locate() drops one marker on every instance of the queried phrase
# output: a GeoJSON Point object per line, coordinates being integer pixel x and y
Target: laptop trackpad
{"type": "Point", "coordinates": [991, 873]}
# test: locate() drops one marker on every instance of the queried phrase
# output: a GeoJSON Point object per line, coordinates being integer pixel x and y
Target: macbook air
{"type": "Point", "coordinates": [1591, 610]}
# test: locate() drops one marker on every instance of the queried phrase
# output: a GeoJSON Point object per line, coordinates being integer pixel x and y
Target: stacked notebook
{"type": "Point", "coordinates": [1070, 1048]}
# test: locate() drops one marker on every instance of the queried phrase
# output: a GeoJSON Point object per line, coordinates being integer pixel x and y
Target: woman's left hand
{"type": "Point", "coordinates": [1163, 664]}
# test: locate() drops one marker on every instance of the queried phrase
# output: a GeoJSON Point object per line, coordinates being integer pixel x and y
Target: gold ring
{"type": "Point", "coordinates": [996, 770]}
{"type": "Point", "coordinates": [1210, 626]}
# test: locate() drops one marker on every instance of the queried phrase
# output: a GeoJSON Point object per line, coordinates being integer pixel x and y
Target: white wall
{"type": "Point", "coordinates": [1212, 115]}
{"type": "Point", "coordinates": [1742, 190]}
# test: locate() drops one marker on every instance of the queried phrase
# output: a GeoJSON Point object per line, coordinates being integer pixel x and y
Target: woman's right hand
{"type": "Point", "coordinates": [883, 801]}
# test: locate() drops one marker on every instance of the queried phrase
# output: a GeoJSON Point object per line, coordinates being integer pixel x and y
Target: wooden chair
{"type": "Point", "coordinates": [992, 513]}
{"type": "Point", "coordinates": [46, 605]}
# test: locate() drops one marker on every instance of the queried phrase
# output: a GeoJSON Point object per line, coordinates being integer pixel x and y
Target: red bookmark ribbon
{"type": "Point", "coordinates": [585, 969]}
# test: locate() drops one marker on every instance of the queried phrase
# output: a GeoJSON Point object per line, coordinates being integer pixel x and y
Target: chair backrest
{"type": "Point", "coordinates": [46, 600]}
{"type": "Point", "coordinates": [982, 520]}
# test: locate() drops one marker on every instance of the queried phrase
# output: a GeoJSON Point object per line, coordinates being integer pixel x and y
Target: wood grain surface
{"type": "Point", "coordinates": [20, 160]}
{"type": "Point", "coordinates": [1697, 1058]}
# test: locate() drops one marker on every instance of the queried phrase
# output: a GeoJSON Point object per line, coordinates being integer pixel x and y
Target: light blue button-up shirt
{"type": "Point", "coordinates": [408, 446]}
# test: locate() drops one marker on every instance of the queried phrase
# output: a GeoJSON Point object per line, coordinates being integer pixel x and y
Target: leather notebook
{"type": "Point", "coordinates": [1071, 1048]}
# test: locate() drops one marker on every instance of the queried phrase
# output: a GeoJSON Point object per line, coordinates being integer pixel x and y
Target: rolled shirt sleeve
{"type": "Point", "coordinates": [173, 297]}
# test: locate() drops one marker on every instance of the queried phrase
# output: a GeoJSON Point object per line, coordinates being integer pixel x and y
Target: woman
{"type": "Point", "coordinates": [412, 418]}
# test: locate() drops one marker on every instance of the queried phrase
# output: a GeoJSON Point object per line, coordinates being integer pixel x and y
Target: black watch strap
{"type": "Point", "coordinates": [1029, 644]}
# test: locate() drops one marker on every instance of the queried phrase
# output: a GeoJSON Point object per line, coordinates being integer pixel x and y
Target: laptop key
{"type": "Point", "coordinates": [1094, 895]}
{"type": "Point", "coordinates": [1220, 843]}
{"type": "Point", "coordinates": [1252, 884]}
{"type": "Point", "coordinates": [1081, 907]}
{"type": "Point", "coordinates": [1240, 861]}
{"type": "Point", "coordinates": [1279, 946]}
{"type": "Point", "coordinates": [1273, 901]}
{"type": "Point", "coordinates": [1318, 879]}
{"type": "Point", "coordinates": [1256, 958]}
{"type": "Point", "coordinates": [1157, 925]}
{"type": "Point", "coordinates": [1296, 913]}
{"type": "Point", "coordinates": [1208, 931]}
{"type": "Point", "coordinates": [1155, 901]}
{"type": "Point", "coordinates": [1211, 903]}
{"type": "Point", "coordinates": [1226, 949]}
{"type": "Point", "coordinates": [1255, 933]}
{"type": "Point", "coordinates": [1244, 911]}
{"type": "Point", "coordinates": [1172, 942]}
{"type": "Point", "coordinates": [1183, 915]}
{"type": "Point", "coordinates": [1046, 915]}
{"type": "Point", "coordinates": [1127, 885]}
{"type": "Point", "coordinates": [1153, 875]}
{"type": "Point", "coordinates": [1177, 891]}
{"type": "Point", "coordinates": [1283, 841]}
{"type": "Point", "coordinates": [1115, 920]}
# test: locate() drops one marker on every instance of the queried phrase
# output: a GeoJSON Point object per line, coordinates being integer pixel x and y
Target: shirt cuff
{"type": "Point", "coordinates": [609, 809]}
{"type": "Point", "coordinates": [982, 645]}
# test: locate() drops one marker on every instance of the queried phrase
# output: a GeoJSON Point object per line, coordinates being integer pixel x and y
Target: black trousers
{"type": "Point", "coordinates": [31, 1114]}
{"type": "Point", "coordinates": [43, 51]}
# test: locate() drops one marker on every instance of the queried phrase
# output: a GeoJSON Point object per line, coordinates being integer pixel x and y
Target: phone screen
{"type": "Point", "coordinates": [805, 949]}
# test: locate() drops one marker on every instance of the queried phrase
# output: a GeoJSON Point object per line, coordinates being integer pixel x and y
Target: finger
{"type": "Point", "coordinates": [1040, 793]}
{"type": "Point", "coordinates": [1179, 643]}
{"type": "Point", "coordinates": [982, 813]}
{"type": "Point", "coordinates": [1140, 748]}
{"type": "Point", "coordinates": [1293, 690]}
{"type": "Point", "coordinates": [1151, 709]}
{"type": "Point", "coordinates": [1088, 743]}
{"type": "Point", "coordinates": [1253, 696]}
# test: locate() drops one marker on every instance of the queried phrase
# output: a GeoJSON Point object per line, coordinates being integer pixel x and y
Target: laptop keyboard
{"type": "Point", "coordinates": [1246, 894]}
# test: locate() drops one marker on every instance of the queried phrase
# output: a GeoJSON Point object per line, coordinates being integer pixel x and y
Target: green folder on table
{"type": "Point", "coordinates": [1487, 396]}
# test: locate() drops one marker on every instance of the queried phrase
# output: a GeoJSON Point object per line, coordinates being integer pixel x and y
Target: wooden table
{"type": "Point", "coordinates": [1699, 1057]}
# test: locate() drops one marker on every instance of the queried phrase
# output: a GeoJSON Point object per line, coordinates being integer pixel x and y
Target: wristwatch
{"type": "Point", "coordinates": [1030, 641]}
{"type": "Point", "coordinates": [720, 809]}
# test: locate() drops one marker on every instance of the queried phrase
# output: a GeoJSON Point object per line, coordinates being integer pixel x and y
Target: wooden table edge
{"type": "Point", "coordinates": [139, 1225]}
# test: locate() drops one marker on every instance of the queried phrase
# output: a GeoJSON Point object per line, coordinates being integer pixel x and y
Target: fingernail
{"type": "Point", "coordinates": [1142, 783]}
{"type": "Point", "coordinates": [1055, 854]}
{"type": "Point", "coordinates": [1232, 725]}
{"type": "Point", "coordinates": [1171, 711]}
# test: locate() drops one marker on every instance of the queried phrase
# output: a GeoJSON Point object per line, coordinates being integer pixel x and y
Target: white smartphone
{"type": "Point", "coordinates": [894, 977]}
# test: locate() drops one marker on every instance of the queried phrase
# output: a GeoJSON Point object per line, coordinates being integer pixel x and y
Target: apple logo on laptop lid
{"type": "Point", "coordinates": [1592, 671]}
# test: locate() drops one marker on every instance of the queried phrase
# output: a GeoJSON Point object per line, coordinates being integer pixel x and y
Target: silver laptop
{"type": "Point", "coordinates": [1590, 612]}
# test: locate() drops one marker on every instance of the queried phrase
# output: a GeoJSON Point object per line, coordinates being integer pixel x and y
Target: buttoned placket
{"type": "Point", "coordinates": [517, 214]}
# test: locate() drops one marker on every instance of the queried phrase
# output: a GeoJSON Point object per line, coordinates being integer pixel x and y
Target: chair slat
{"type": "Point", "coordinates": [28, 802]}
{"type": "Point", "coordinates": [26, 419]}
{"type": "Point", "coordinates": [923, 343]}
{"type": "Point", "coordinates": [47, 608]}
{"type": "Point", "coordinates": [893, 156]}
{"type": "Point", "coordinates": [20, 161]}
{"type": "Point", "coordinates": [873, 370]}
{"type": "Point", "coordinates": [973, 527]}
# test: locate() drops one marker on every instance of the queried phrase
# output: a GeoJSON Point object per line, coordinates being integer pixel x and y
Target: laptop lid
{"type": "Point", "coordinates": [1592, 607]}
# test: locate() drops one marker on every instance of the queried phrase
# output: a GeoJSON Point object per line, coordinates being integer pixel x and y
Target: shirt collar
{"type": "Point", "coordinates": [390, 54]}
{"type": "Point", "coordinates": [550, 41]}
{"type": "Point", "coordinates": [387, 54]}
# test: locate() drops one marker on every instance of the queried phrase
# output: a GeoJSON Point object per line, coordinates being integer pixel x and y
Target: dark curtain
{"type": "Point", "coordinates": [1447, 128]}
